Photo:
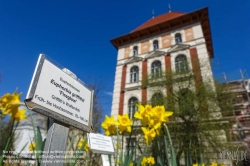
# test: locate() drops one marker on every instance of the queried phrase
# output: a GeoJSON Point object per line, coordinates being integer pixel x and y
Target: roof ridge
{"type": "Point", "coordinates": [157, 20]}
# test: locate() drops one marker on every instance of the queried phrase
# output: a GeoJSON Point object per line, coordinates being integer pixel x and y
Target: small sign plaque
{"type": "Point", "coordinates": [56, 94]}
{"type": "Point", "coordinates": [101, 144]}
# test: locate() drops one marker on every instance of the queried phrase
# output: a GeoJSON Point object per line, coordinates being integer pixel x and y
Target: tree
{"type": "Point", "coordinates": [98, 86]}
{"type": "Point", "coordinates": [197, 126]}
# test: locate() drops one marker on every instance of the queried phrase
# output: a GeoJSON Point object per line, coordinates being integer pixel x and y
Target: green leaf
{"type": "Point", "coordinates": [76, 157]}
{"type": "Point", "coordinates": [22, 149]}
{"type": "Point", "coordinates": [143, 154]}
{"type": "Point", "coordinates": [166, 149]}
{"type": "Point", "coordinates": [39, 143]}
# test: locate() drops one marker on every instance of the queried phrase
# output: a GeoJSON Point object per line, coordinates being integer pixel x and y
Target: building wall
{"type": "Point", "coordinates": [191, 35]}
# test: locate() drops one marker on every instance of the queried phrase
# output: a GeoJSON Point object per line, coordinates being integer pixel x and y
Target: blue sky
{"type": "Point", "coordinates": [77, 35]}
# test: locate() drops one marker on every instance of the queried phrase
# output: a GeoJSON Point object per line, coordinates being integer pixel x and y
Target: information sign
{"type": "Point", "coordinates": [56, 94]}
{"type": "Point", "coordinates": [100, 144]}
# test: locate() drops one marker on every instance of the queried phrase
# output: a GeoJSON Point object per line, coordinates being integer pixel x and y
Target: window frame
{"type": "Point", "coordinates": [156, 70]}
{"type": "Point", "coordinates": [155, 43]}
{"type": "Point", "coordinates": [181, 63]}
{"type": "Point", "coordinates": [178, 38]}
{"type": "Point", "coordinates": [132, 108]}
{"type": "Point", "coordinates": [134, 74]}
{"type": "Point", "coordinates": [135, 50]}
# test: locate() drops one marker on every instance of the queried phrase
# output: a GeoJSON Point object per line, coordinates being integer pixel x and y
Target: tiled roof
{"type": "Point", "coordinates": [159, 19]}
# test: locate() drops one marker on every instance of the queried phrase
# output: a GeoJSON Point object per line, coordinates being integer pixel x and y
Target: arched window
{"type": "Point", "coordinates": [156, 69]}
{"type": "Point", "coordinates": [132, 107]}
{"type": "Point", "coordinates": [134, 74]}
{"type": "Point", "coordinates": [156, 45]}
{"type": "Point", "coordinates": [157, 99]}
{"type": "Point", "coordinates": [178, 38]}
{"type": "Point", "coordinates": [186, 101]}
{"type": "Point", "coordinates": [135, 50]}
{"type": "Point", "coordinates": [181, 64]}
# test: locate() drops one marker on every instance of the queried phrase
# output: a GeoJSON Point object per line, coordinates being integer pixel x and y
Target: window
{"type": "Point", "coordinates": [157, 99]}
{"type": "Point", "coordinates": [156, 69]}
{"type": "Point", "coordinates": [181, 64]}
{"type": "Point", "coordinates": [178, 38]}
{"type": "Point", "coordinates": [132, 107]}
{"type": "Point", "coordinates": [135, 50]}
{"type": "Point", "coordinates": [155, 45]}
{"type": "Point", "coordinates": [134, 74]}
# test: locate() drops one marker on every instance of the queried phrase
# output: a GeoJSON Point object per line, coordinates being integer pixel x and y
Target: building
{"type": "Point", "coordinates": [164, 42]}
{"type": "Point", "coordinates": [173, 42]}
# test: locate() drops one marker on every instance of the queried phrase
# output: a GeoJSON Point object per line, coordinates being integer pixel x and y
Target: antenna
{"type": "Point", "coordinates": [153, 14]}
{"type": "Point", "coordinates": [169, 8]}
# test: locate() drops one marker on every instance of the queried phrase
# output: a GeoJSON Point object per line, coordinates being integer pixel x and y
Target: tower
{"type": "Point", "coordinates": [173, 42]}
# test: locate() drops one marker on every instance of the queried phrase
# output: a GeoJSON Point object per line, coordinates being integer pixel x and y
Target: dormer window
{"type": "Point", "coordinates": [156, 45]}
{"type": "Point", "coordinates": [135, 50]}
{"type": "Point", "coordinates": [178, 38]}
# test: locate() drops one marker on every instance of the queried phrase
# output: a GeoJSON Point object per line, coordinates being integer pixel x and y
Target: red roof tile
{"type": "Point", "coordinates": [159, 19]}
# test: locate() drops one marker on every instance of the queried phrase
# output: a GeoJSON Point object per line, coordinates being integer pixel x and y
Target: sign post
{"type": "Point", "coordinates": [58, 94]}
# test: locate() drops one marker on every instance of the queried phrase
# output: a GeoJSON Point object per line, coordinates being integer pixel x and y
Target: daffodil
{"type": "Point", "coordinates": [214, 164]}
{"type": "Point", "coordinates": [154, 123]}
{"type": "Point", "coordinates": [118, 161]}
{"type": "Point", "coordinates": [131, 164]}
{"type": "Point", "coordinates": [124, 123]}
{"type": "Point", "coordinates": [144, 161]}
{"type": "Point", "coordinates": [118, 146]}
{"type": "Point", "coordinates": [32, 147]}
{"type": "Point", "coordinates": [151, 160]}
{"type": "Point", "coordinates": [110, 125]}
{"type": "Point", "coordinates": [9, 103]}
{"type": "Point", "coordinates": [149, 134]}
{"type": "Point", "coordinates": [80, 143]}
{"type": "Point", "coordinates": [143, 113]}
{"type": "Point", "coordinates": [195, 164]}
{"type": "Point", "coordinates": [20, 115]}
{"type": "Point", "coordinates": [160, 114]}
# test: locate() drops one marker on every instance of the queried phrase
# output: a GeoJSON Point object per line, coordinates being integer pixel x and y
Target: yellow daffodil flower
{"type": "Point", "coordinates": [20, 115]}
{"type": "Point", "coordinates": [32, 147]}
{"type": "Point", "coordinates": [9, 103]}
{"type": "Point", "coordinates": [131, 164]}
{"type": "Point", "coordinates": [80, 143]}
{"type": "Point", "coordinates": [144, 161]}
{"type": "Point", "coordinates": [149, 134]}
{"type": "Point", "coordinates": [160, 113]}
{"type": "Point", "coordinates": [214, 164]}
{"type": "Point", "coordinates": [110, 125]}
{"type": "Point", "coordinates": [124, 123]}
{"type": "Point", "coordinates": [154, 123]}
{"type": "Point", "coordinates": [195, 164]}
{"type": "Point", "coordinates": [151, 160]}
{"type": "Point", "coordinates": [144, 113]}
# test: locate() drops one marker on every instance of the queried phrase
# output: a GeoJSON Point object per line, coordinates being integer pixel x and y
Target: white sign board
{"type": "Point", "coordinates": [100, 144]}
{"type": "Point", "coordinates": [56, 94]}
